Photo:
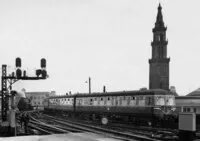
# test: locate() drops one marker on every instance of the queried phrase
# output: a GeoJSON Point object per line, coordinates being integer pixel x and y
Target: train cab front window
{"type": "Point", "coordinates": [170, 101]}
{"type": "Point", "coordinates": [159, 100]}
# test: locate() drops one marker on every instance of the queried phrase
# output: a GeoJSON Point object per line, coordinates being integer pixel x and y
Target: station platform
{"type": "Point", "coordinates": [87, 136]}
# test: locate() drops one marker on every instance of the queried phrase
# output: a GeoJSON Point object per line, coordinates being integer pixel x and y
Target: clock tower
{"type": "Point", "coordinates": [159, 63]}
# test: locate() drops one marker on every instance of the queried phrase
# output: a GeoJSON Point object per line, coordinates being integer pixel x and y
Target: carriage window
{"type": "Point", "coordinates": [108, 98]}
{"type": "Point", "coordinates": [170, 100]}
{"type": "Point", "coordinates": [184, 110]}
{"type": "Point", "coordinates": [102, 99]}
{"type": "Point", "coordinates": [141, 101]}
{"type": "Point", "coordinates": [80, 101]}
{"type": "Point", "coordinates": [188, 109]}
{"type": "Point", "coordinates": [133, 98]}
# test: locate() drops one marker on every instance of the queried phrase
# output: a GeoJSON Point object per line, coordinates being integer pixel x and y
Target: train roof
{"type": "Point", "coordinates": [117, 93]}
{"type": "Point", "coordinates": [61, 96]}
{"type": "Point", "coordinates": [131, 93]}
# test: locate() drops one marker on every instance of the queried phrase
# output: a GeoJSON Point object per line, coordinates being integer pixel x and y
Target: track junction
{"type": "Point", "coordinates": [45, 124]}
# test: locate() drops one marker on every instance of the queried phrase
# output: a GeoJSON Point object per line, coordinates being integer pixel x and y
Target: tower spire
{"type": "Point", "coordinates": [159, 20]}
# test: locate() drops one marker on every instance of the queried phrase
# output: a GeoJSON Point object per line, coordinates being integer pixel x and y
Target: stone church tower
{"type": "Point", "coordinates": [159, 63]}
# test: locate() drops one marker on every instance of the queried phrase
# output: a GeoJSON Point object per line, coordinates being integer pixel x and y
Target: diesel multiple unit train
{"type": "Point", "coordinates": [149, 107]}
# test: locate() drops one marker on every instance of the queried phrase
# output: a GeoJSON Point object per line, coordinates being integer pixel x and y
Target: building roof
{"type": "Point", "coordinates": [175, 94]}
{"type": "Point", "coordinates": [37, 93]}
{"type": "Point", "coordinates": [194, 93]}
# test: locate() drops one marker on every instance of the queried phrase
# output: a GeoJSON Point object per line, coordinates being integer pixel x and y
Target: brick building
{"type": "Point", "coordinates": [37, 98]}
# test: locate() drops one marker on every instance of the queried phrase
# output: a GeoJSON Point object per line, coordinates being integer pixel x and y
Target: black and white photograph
{"type": "Point", "coordinates": [100, 70]}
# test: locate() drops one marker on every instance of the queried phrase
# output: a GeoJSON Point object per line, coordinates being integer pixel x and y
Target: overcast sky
{"type": "Point", "coordinates": [108, 40]}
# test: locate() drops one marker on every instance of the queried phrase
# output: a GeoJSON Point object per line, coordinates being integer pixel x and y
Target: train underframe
{"type": "Point", "coordinates": [139, 119]}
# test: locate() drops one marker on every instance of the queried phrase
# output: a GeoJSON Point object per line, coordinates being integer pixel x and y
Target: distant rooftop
{"type": "Point", "coordinates": [175, 93]}
{"type": "Point", "coordinates": [194, 93]}
{"type": "Point", "coordinates": [37, 92]}
{"type": "Point", "coordinates": [52, 93]}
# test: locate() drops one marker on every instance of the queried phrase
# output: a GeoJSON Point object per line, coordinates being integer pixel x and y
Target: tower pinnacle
{"type": "Point", "coordinates": [159, 20]}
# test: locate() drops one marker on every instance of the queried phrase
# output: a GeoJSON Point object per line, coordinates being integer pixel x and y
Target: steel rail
{"type": "Point", "coordinates": [100, 129]}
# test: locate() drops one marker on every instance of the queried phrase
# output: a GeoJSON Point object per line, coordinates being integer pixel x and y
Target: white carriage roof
{"type": "Point", "coordinates": [116, 93]}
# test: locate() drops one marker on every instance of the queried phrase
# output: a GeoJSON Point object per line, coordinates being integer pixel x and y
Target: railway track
{"type": "Point", "coordinates": [41, 130]}
{"type": "Point", "coordinates": [126, 134]}
{"type": "Point", "coordinates": [156, 133]}
{"type": "Point", "coordinates": [148, 131]}
{"type": "Point", "coordinates": [50, 128]}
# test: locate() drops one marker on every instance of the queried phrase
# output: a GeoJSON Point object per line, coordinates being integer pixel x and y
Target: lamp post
{"type": "Point", "coordinates": [89, 85]}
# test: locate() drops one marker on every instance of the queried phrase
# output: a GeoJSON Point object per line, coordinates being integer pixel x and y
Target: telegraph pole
{"type": "Point", "coordinates": [89, 85]}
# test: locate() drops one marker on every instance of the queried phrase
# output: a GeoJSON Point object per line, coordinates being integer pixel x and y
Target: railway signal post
{"type": "Point", "coordinates": [8, 127]}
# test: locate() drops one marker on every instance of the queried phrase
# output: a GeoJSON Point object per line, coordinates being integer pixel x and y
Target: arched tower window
{"type": "Point", "coordinates": [161, 37]}
{"type": "Point", "coordinates": [158, 37]}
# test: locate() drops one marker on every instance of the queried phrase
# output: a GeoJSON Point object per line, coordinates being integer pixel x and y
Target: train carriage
{"type": "Point", "coordinates": [144, 106]}
{"type": "Point", "coordinates": [61, 103]}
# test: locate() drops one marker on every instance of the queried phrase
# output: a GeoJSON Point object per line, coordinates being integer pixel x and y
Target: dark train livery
{"type": "Point", "coordinates": [144, 106]}
{"type": "Point", "coordinates": [24, 104]}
